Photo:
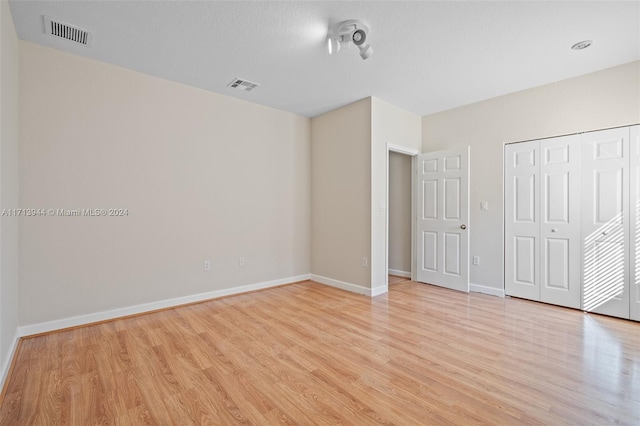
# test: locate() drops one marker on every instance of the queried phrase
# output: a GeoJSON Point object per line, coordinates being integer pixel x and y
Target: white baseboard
{"type": "Point", "coordinates": [397, 273]}
{"type": "Point", "coordinates": [381, 289]}
{"type": "Point", "coordinates": [341, 285]}
{"type": "Point", "coordinates": [44, 327]}
{"type": "Point", "coordinates": [477, 288]}
{"type": "Point", "coordinates": [7, 362]}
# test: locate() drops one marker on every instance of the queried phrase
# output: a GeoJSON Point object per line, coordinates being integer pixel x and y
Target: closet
{"type": "Point", "coordinates": [572, 221]}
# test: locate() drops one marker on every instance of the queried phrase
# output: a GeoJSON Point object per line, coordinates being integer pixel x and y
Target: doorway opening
{"type": "Point", "coordinates": [400, 240]}
{"type": "Point", "coordinates": [399, 217]}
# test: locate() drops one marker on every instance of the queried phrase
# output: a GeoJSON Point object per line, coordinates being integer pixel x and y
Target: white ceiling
{"type": "Point", "coordinates": [428, 56]}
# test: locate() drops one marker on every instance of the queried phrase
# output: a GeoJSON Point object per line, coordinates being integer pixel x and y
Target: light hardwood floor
{"type": "Point", "coordinates": [310, 354]}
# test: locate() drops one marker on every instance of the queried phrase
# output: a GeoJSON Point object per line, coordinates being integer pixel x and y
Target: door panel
{"type": "Point", "coordinates": [452, 251]}
{"type": "Point", "coordinates": [443, 197]}
{"type": "Point", "coordinates": [521, 212]}
{"type": "Point", "coordinates": [430, 251]}
{"type": "Point", "coordinates": [560, 221]}
{"type": "Point", "coordinates": [525, 262]}
{"type": "Point", "coordinates": [430, 199]}
{"type": "Point", "coordinates": [605, 222]}
{"type": "Point", "coordinates": [557, 263]}
{"type": "Point", "coordinates": [452, 199]}
{"type": "Point", "coordinates": [608, 201]}
{"type": "Point", "coordinates": [525, 194]}
{"type": "Point", "coordinates": [557, 197]}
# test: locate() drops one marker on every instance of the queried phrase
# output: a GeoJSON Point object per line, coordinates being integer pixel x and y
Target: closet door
{"type": "Point", "coordinates": [634, 171]}
{"type": "Point", "coordinates": [605, 222]}
{"type": "Point", "coordinates": [521, 220]}
{"type": "Point", "coordinates": [560, 221]}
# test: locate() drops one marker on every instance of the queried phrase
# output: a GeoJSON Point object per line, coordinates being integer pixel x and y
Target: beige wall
{"type": "Point", "coordinates": [349, 189]}
{"type": "Point", "coordinates": [203, 176]}
{"type": "Point", "coordinates": [599, 100]}
{"type": "Point", "coordinates": [341, 194]}
{"type": "Point", "coordinates": [391, 125]}
{"type": "Point", "coordinates": [399, 212]}
{"type": "Point", "coordinates": [9, 287]}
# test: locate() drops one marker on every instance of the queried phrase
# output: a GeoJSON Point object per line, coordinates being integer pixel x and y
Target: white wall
{"type": "Point", "coordinates": [341, 196]}
{"type": "Point", "coordinates": [599, 100]}
{"type": "Point", "coordinates": [203, 176]}
{"type": "Point", "coordinates": [9, 288]}
{"type": "Point", "coordinates": [390, 125]}
{"type": "Point", "coordinates": [399, 212]}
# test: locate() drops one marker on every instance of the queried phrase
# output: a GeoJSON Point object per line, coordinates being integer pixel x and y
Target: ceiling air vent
{"type": "Point", "coordinates": [66, 31]}
{"type": "Point", "coordinates": [242, 84]}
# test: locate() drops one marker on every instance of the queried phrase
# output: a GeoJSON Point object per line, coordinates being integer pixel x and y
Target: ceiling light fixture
{"type": "Point", "coordinates": [582, 45]}
{"type": "Point", "coordinates": [352, 31]}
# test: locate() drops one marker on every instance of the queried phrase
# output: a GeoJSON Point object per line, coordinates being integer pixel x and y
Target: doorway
{"type": "Point", "coordinates": [399, 242]}
{"type": "Point", "coordinates": [398, 157]}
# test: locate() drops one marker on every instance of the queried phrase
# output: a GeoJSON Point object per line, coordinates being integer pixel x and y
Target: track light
{"type": "Point", "coordinates": [333, 45]}
{"type": "Point", "coordinates": [365, 51]}
{"type": "Point", "coordinates": [352, 31]}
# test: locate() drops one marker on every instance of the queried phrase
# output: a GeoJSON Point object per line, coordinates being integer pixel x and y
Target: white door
{"type": "Point", "coordinates": [443, 219]}
{"type": "Point", "coordinates": [605, 222]}
{"type": "Point", "coordinates": [634, 201]}
{"type": "Point", "coordinates": [542, 220]}
{"type": "Point", "coordinates": [560, 221]}
{"type": "Point", "coordinates": [521, 220]}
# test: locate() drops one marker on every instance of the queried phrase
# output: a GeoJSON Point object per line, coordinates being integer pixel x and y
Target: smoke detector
{"type": "Point", "coordinates": [582, 45]}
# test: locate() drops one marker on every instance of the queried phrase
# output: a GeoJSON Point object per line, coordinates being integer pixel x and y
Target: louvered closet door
{"type": "Point", "coordinates": [560, 221]}
{"type": "Point", "coordinates": [634, 171]}
{"type": "Point", "coordinates": [521, 220]}
{"type": "Point", "coordinates": [605, 222]}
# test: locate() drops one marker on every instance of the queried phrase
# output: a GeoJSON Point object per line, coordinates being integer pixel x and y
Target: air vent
{"type": "Point", "coordinates": [66, 31]}
{"type": "Point", "coordinates": [242, 84]}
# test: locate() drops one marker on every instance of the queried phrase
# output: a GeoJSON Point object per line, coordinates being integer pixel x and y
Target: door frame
{"type": "Point", "coordinates": [411, 153]}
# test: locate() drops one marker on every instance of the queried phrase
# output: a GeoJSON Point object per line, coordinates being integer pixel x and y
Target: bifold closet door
{"type": "Point", "coordinates": [605, 222]}
{"type": "Point", "coordinates": [542, 240]}
{"type": "Point", "coordinates": [572, 221]}
{"type": "Point", "coordinates": [560, 221]}
{"type": "Point", "coordinates": [521, 220]}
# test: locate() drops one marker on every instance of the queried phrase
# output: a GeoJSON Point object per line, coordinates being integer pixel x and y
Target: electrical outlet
{"type": "Point", "coordinates": [242, 261]}
{"type": "Point", "coordinates": [365, 262]}
{"type": "Point", "coordinates": [476, 260]}
{"type": "Point", "coordinates": [207, 265]}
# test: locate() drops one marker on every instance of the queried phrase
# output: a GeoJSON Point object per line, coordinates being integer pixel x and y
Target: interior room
{"type": "Point", "coordinates": [229, 212]}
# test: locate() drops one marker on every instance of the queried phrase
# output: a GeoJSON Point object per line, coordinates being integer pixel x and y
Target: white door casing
{"type": "Point", "coordinates": [634, 201]}
{"type": "Point", "coordinates": [605, 222]}
{"type": "Point", "coordinates": [442, 235]}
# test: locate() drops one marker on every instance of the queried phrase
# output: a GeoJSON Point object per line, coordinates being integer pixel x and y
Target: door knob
{"type": "Point", "coordinates": [463, 226]}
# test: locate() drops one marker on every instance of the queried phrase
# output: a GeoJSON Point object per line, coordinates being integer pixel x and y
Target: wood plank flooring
{"type": "Point", "coordinates": [310, 354]}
